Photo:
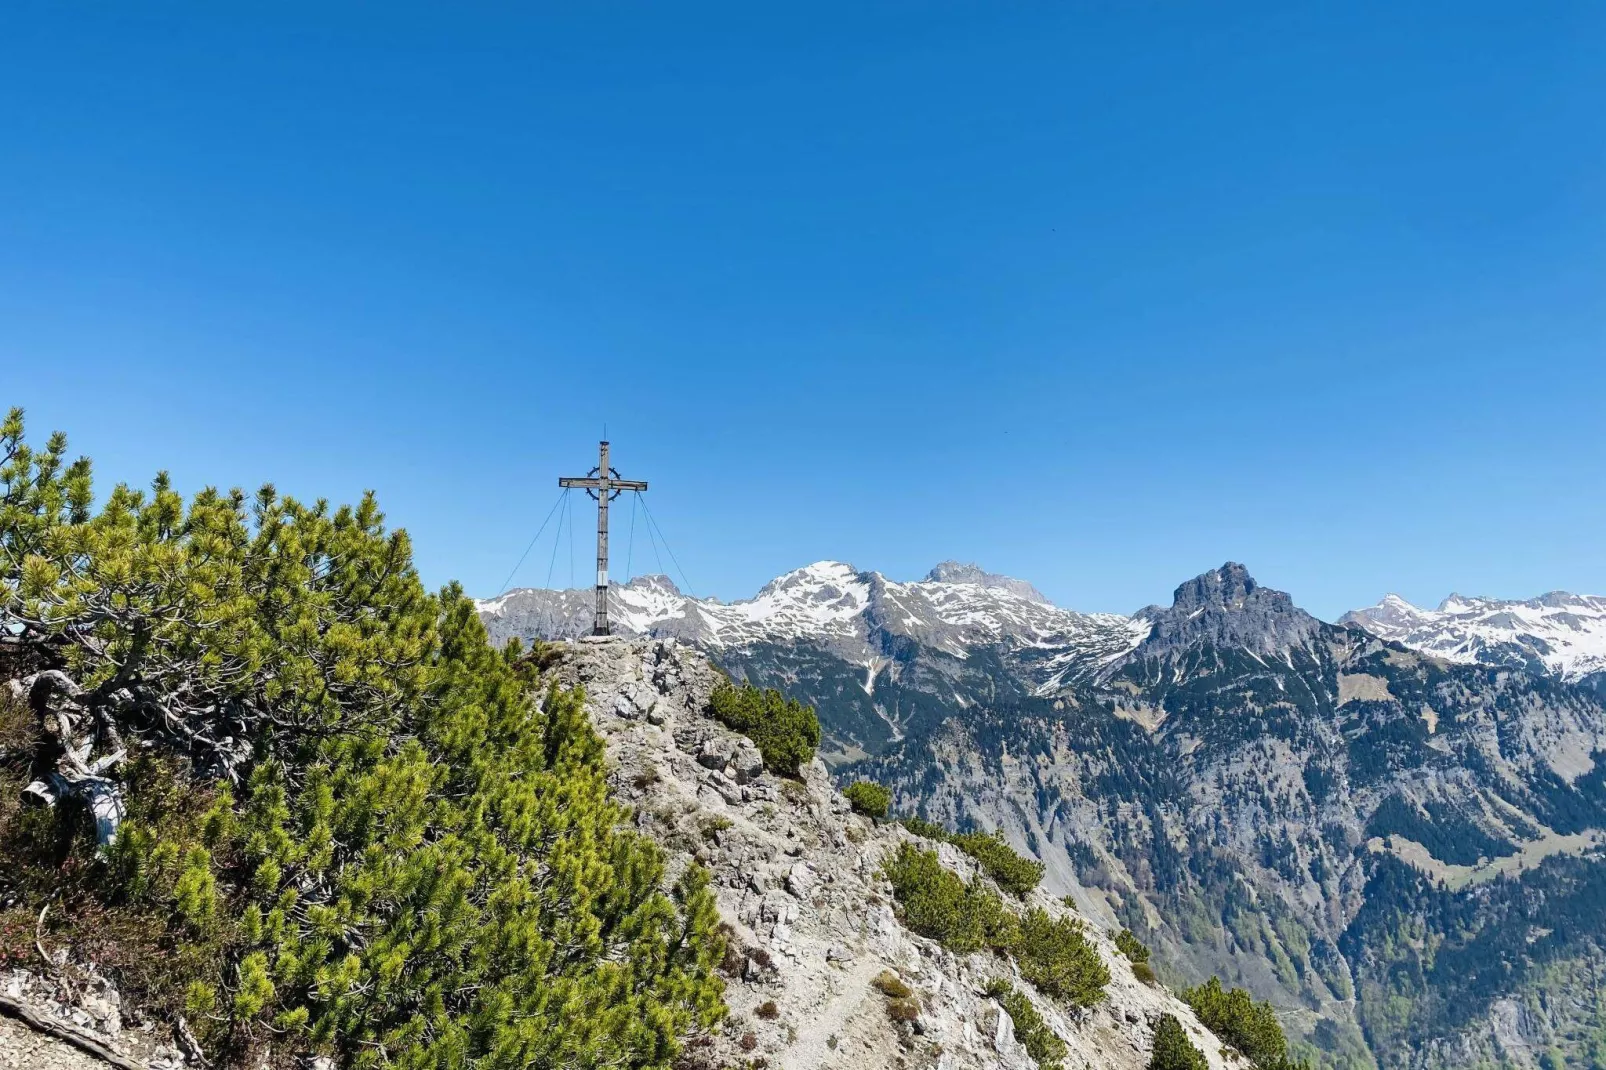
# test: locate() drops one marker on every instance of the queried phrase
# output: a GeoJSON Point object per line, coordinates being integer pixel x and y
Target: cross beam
{"type": "Point", "coordinates": [603, 484]}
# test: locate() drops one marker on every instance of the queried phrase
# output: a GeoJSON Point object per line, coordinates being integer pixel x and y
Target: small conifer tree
{"type": "Point", "coordinates": [1172, 1048]}
{"type": "Point", "coordinates": [785, 730]}
{"type": "Point", "coordinates": [1130, 946]}
{"type": "Point", "coordinates": [1235, 1017]}
{"type": "Point", "coordinates": [869, 798]}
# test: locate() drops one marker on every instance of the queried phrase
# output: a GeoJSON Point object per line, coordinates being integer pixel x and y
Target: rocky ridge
{"type": "Point", "coordinates": [812, 923]}
{"type": "Point", "coordinates": [859, 617]}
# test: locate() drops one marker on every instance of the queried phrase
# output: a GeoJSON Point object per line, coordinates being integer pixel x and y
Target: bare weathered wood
{"type": "Point", "coordinates": [604, 485]}
{"type": "Point", "coordinates": [39, 939]}
{"type": "Point", "coordinates": [67, 1033]}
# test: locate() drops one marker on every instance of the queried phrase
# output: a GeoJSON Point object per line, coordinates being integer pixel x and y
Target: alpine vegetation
{"type": "Point", "coordinates": [290, 796]}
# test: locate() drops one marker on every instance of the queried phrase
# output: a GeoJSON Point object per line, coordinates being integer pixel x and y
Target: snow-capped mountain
{"type": "Point", "coordinates": [1558, 633]}
{"type": "Point", "coordinates": [856, 615]}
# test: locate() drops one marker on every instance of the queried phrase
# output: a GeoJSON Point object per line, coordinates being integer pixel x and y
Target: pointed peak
{"type": "Point", "coordinates": [1391, 612]}
{"type": "Point", "coordinates": [1230, 586]}
{"type": "Point", "coordinates": [654, 581]}
{"type": "Point", "coordinates": [836, 573]}
{"type": "Point", "coordinates": [1226, 607]}
{"type": "Point", "coordinates": [962, 572]}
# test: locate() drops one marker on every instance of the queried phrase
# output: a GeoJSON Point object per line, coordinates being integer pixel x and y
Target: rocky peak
{"type": "Point", "coordinates": [656, 581]}
{"type": "Point", "coordinates": [1230, 586]}
{"type": "Point", "coordinates": [959, 572]}
{"type": "Point", "coordinates": [1226, 607]}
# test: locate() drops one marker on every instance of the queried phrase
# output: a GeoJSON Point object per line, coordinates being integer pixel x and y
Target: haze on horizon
{"type": "Point", "coordinates": [1098, 298]}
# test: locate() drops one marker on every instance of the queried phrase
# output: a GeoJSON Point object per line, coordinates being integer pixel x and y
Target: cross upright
{"type": "Point", "coordinates": [603, 484]}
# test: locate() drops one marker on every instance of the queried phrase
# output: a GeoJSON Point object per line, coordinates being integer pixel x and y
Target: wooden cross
{"type": "Point", "coordinates": [603, 484]}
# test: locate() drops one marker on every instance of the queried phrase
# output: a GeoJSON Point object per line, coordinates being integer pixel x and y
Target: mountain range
{"type": "Point", "coordinates": [1391, 825]}
{"type": "Point", "coordinates": [836, 611]}
{"type": "Point", "coordinates": [1557, 633]}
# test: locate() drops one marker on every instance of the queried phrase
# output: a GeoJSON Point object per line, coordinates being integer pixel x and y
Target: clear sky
{"type": "Point", "coordinates": [1097, 294]}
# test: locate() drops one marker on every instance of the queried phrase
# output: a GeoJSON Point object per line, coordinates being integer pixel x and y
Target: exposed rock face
{"type": "Point", "coordinates": [956, 572]}
{"type": "Point", "coordinates": [1226, 607]}
{"type": "Point", "coordinates": [797, 878]}
{"type": "Point", "coordinates": [81, 1000]}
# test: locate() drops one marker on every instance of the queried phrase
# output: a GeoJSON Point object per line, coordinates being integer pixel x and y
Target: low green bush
{"type": "Point", "coordinates": [1130, 946]}
{"type": "Point", "coordinates": [1056, 956]}
{"type": "Point", "coordinates": [921, 827]}
{"type": "Point", "coordinates": [1235, 1017]}
{"type": "Point", "coordinates": [785, 730]}
{"type": "Point", "coordinates": [1012, 872]}
{"type": "Point", "coordinates": [1172, 1048]}
{"type": "Point", "coordinates": [869, 798]}
{"type": "Point", "coordinates": [938, 903]}
{"type": "Point", "coordinates": [1041, 1043]}
{"type": "Point", "coordinates": [1053, 953]}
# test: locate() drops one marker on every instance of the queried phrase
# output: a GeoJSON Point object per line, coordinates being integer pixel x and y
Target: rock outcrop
{"type": "Point", "coordinates": [812, 923]}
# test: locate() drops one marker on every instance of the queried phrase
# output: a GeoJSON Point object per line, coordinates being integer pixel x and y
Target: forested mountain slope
{"type": "Point", "coordinates": [1279, 798]}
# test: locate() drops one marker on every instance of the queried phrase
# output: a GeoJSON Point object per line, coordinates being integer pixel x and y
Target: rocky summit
{"type": "Point", "coordinates": [810, 917]}
{"type": "Point", "coordinates": [1225, 607]}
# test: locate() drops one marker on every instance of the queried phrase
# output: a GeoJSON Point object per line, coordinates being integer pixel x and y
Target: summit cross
{"type": "Point", "coordinates": [603, 484]}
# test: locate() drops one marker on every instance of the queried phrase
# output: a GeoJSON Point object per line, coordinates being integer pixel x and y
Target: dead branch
{"type": "Point", "coordinates": [67, 1033]}
{"type": "Point", "coordinates": [39, 939]}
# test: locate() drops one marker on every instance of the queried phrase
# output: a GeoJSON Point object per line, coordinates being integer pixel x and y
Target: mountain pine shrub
{"type": "Point", "coordinates": [1130, 946]}
{"type": "Point", "coordinates": [785, 730]}
{"type": "Point", "coordinates": [921, 827]}
{"type": "Point", "coordinates": [1055, 955]}
{"type": "Point", "coordinates": [1013, 872]}
{"type": "Point", "coordinates": [1041, 1043]}
{"type": "Point", "coordinates": [1250, 1027]}
{"type": "Point", "coordinates": [353, 826]}
{"type": "Point", "coordinates": [938, 903]}
{"type": "Point", "coordinates": [869, 798]}
{"type": "Point", "coordinates": [1172, 1048]}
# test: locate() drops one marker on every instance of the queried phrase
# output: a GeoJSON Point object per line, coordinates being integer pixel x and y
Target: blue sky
{"type": "Point", "coordinates": [1096, 294]}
